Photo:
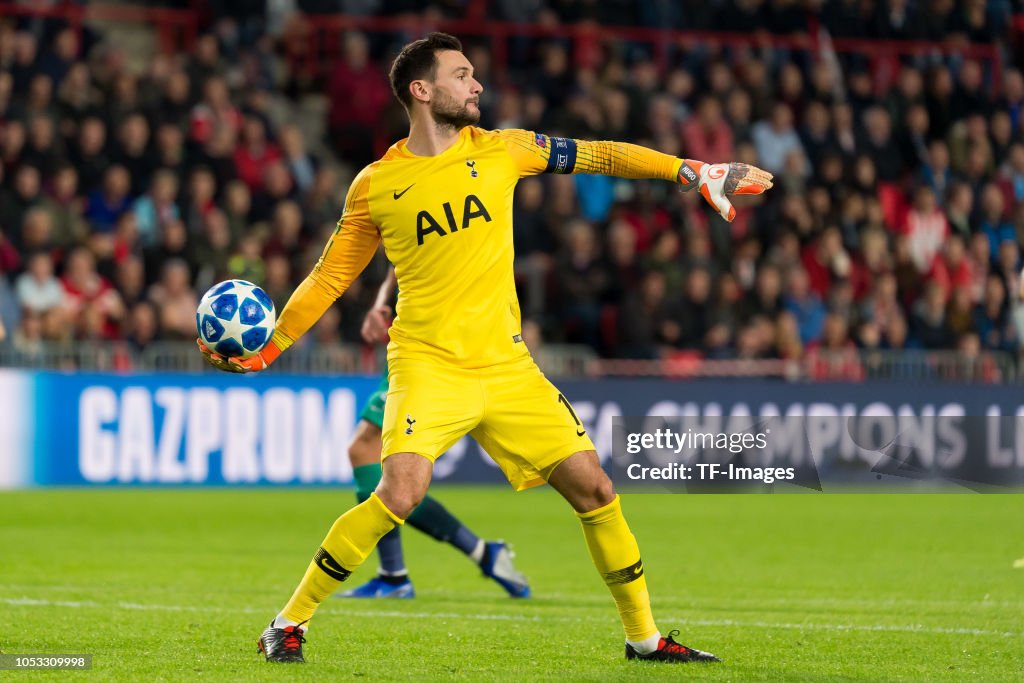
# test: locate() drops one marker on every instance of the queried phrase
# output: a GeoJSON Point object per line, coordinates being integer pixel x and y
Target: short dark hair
{"type": "Point", "coordinates": [418, 60]}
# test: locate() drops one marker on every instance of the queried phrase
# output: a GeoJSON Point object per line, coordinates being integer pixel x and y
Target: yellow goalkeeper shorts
{"type": "Point", "coordinates": [516, 415]}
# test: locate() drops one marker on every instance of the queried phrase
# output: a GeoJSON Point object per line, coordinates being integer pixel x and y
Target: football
{"type": "Point", "coordinates": [235, 319]}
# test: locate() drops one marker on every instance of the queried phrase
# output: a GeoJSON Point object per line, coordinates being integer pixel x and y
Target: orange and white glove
{"type": "Point", "coordinates": [717, 181]}
{"type": "Point", "coordinates": [254, 363]}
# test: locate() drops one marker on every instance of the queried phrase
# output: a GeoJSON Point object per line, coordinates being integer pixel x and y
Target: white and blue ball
{"type": "Point", "coordinates": [235, 319]}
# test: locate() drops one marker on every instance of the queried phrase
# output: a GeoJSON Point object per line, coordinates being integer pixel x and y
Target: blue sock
{"type": "Point", "coordinates": [389, 550]}
{"type": "Point", "coordinates": [465, 540]}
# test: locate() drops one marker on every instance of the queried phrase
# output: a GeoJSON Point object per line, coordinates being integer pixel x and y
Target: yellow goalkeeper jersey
{"type": "Point", "coordinates": [446, 224]}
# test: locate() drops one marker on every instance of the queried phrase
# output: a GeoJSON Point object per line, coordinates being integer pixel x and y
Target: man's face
{"type": "Point", "coordinates": [455, 99]}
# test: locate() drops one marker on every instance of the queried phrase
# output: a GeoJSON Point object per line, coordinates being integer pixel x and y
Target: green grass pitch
{"type": "Point", "coordinates": [178, 584]}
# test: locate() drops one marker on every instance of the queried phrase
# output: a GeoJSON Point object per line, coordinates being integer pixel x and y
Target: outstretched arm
{"type": "Point", "coordinates": [347, 252]}
{"type": "Point", "coordinates": [535, 153]}
{"type": "Point", "coordinates": [343, 259]}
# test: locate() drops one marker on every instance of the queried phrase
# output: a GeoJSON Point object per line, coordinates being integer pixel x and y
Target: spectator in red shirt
{"type": "Point", "coordinates": [214, 111]}
{"type": "Point", "coordinates": [825, 259]}
{"type": "Point", "coordinates": [707, 135]}
{"type": "Point", "coordinates": [255, 153]}
{"type": "Point", "coordinates": [952, 269]}
{"type": "Point", "coordinates": [285, 231]}
{"type": "Point", "coordinates": [10, 259]}
{"type": "Point", "coordinates": [834, 357]}
{"type": "Point", "coordinates": [873, 260]}
{"type": "Point", "coordinates": [926, 229]}
{"type": "Point", "coordinates": [354, 120]}
{"type": "Point", "coordinates": [980, 264]}
{"type": "Point", "coordinates": [90, 295]}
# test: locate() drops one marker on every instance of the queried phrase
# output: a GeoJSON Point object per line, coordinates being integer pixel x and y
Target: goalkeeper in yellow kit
{"type": "Point", "coordinates": [441, 201]}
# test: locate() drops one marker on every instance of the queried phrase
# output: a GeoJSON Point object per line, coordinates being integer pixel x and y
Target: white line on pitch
{"type": "Point", "coordinates": [898, 628]}
{"type": "Point", "coordinates": [695, 604]}
{"type": "Point", "coordinates": [787, 601]}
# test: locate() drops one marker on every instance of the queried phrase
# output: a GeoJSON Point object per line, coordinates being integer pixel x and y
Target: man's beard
{"type": "Point", "coordinates": [448, 114]}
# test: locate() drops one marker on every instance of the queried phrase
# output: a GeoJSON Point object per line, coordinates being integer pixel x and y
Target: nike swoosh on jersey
{"type": "Point", "coordinates": [398, 195]}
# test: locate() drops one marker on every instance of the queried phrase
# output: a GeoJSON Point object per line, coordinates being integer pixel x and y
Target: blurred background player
{"type": "Point", "coordinates": [392, 581]}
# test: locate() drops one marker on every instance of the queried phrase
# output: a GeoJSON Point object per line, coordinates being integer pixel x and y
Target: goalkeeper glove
{"type": "Point", "coordinates": [253, 363]}
{"type": "Point", "coordinates": [717, 181]}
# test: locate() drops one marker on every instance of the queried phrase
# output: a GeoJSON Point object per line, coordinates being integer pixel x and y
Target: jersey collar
{"type": "Point", "coordinates": [401, 150]}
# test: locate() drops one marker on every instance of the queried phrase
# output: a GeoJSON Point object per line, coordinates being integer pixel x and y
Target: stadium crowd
{"type": "Point", "coordinates": [896, 221]}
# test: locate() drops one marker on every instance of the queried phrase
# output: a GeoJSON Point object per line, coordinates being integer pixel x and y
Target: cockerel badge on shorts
{"type": "Point", "coordinates": [408, 418]}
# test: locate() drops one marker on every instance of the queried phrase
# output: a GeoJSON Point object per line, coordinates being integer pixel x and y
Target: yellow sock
{"type": "Point", "coordinates": [351, 539]}
{"type": "Point", "coordinates": [616, 555]}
